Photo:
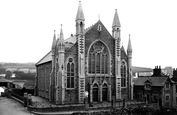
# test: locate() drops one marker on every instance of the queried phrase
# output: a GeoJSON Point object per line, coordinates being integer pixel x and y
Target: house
{"type": "Point", "coordinates": [157, 88]}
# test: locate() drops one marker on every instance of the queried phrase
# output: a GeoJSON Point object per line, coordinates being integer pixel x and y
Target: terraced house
{"type": "Point", "coordinates": [90, 61]}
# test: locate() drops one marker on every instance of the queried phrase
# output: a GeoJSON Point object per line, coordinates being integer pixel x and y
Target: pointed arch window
{"type": "Point", "coordinates": [98, 59]}
{"type": "Point", "coordinates": [81, 27]}
{"type": "Point", "coordinates": [123, 74]}
{"type": "Point", "coordinates": [70, 73]}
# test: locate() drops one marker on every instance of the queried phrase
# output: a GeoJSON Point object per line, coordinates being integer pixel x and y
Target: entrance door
{"type": "Point", "coordinates": [104, 92]}
{"type": "Point", "coordinates": [95, 93]}
{"type": "Point", "coordinates": [148, 98]}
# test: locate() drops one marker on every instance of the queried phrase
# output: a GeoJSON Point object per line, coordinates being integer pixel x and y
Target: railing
{"type": "Point", "coordinates": [18, 98]}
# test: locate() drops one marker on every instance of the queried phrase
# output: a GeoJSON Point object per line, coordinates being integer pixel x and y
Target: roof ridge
{"type": "Point", "coordinates": [43, 57]}
{"type": "Point", "coordinates": [88, 28]}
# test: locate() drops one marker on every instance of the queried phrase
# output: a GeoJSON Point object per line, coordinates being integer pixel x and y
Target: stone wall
{"type": "Point", "coordinates": [43, 78]}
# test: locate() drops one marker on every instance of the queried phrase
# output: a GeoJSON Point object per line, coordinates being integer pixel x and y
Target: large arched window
{"type": "Point", "coordinates": [98, 59]}
{"type": "Point", "coordinates": [123, 74]}
{"type": "Point", "coordinates": [70, 73]}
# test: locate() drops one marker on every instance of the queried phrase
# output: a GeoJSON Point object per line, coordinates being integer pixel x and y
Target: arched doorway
{"type": "Point", "coordinates": [95, 93]}
{"type": "Point", "coordinates": [104, 92]}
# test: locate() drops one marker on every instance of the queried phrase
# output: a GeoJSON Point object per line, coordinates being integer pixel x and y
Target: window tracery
{"type": "Point", "coordinates": [70, 73]}
{"type": "Point", "coordinates": [98, 59]}
{"type": "Point", "coordinates": [123, 74]}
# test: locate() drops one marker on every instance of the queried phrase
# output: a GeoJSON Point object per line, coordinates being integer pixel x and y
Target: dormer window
{"type": "Point", "coordinates": [167, 86]}
{"type": "Point", "coordinates": [147, 85]}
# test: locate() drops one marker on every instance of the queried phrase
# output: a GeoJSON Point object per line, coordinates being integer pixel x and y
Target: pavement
{"type": "Point", "coordinates": [12, 107]}
{"type": "Point", "coordinates": [45, 103]}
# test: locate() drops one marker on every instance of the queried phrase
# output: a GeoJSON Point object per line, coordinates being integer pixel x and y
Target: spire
{"type": "Point", "coordinates": [116, 21]}
{"type": "Point", "coordinates": [54, 41]}
{"type": "Point", "coordinates": [61, 33]}
{"type": "Point", "coordinates": [129, 48]}
{"type": "Point", "coordinates": [60, 41]}
{"type": "Point", "coordinates": [80, 14]}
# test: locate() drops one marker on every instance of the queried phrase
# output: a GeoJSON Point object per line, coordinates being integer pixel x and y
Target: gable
{"type": "Point", "coordinates": [95, 34]}
{"type": "Point", "coordinates": [123, 54]}
{"type": "Point", "coordinates": [147, 81]}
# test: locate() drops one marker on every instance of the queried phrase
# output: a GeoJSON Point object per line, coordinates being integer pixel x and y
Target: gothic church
{"type": "Point", "coordinates": [90, 61]}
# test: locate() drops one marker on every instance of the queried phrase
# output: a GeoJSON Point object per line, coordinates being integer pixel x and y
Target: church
{"type": "Point", "coordinates": [92, 60]}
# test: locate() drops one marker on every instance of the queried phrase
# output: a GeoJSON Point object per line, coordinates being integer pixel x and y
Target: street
{"type": "Point", "coordinates": [12, 107]}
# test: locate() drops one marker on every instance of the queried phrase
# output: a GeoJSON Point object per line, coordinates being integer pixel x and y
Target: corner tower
{"type": "Point", "coordinates": [60, 86]}
{"type": "Point", "coordinates": [80, 25]}
{"type": "Point", "coordinates": [52, 74]}
{"type": "Point", "coordinates": [130, 77]}
{"type": "Point", "coordinates": [116, 27]}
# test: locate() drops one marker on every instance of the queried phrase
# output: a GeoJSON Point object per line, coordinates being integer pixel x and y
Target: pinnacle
{"type": "Point", "coordinates": [80, 14]}
{"type": "Point", "coordinates": [116, 22]}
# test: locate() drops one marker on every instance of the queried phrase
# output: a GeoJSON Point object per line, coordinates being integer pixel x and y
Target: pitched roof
{"type": "Point", "coordinates": [69, 42]}
{"type": "Point", "coordinates": [71, 39]}
{"type": "Point", "coordinates": [156, 81]}
{"type": "Point", "coordinates": [46, 58]}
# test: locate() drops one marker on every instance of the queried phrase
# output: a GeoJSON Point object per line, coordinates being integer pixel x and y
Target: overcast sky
{"type": "Point", "coordinates": [27, 27]}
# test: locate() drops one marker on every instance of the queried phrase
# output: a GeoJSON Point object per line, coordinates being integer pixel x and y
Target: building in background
{"type": "Point", "coordinates": [174, 80]}
{"type": "Point", "coordinates": [157, 88]}
{"type": "Point", "coordinates": [90, 61]}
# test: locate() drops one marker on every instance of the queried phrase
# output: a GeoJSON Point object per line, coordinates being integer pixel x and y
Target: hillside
{"type": "Point", "coordinates": [24, 66]}
{"type": "Point", "coordinates": [18, 65]}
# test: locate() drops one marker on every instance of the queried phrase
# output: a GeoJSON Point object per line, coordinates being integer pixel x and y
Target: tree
{"type": "Point", "coordinates": [8, 74]}
{"type": "Point", "coordinates": [2, 70]}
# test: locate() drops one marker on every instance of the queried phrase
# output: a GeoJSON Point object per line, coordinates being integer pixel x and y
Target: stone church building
{"type": "Point", "coordinates": [90, 61]}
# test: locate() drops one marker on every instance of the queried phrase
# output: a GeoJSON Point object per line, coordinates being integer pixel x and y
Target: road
{"type": "Point", "coordinates": [12, 107]}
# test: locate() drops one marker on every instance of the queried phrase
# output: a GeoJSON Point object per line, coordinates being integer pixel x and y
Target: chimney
{"type": "Point", "coordinates": [157, 71]}
{"type": "Point", "coordinates": [174, 74]}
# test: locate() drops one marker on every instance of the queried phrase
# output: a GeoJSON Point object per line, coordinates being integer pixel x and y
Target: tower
{"type": "Point", "coordinates": [52, 74]}
{"type": "Point", "coordinates": [130, 77]}
{"type": "Point", "coordinates": [60, 91]}
{"type": "Point", "coordinates": [116, 27]}
{"type": "Point", "coordinates": [80, 23]}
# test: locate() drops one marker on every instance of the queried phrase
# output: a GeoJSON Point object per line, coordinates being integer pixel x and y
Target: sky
{"type": "Point", "coordinates": [27, 27]}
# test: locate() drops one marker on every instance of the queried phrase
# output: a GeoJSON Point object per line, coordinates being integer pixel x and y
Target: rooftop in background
{"type": "Point", "coordinates": [157, 79]}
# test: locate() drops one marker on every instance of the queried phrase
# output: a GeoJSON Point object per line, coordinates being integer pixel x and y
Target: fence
{"type": "Point", "coordinates": [18, 98]}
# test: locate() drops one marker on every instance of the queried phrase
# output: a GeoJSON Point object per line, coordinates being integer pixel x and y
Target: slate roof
{"type": "Point", "coordinates": [71, 39]}
{"type": "Point", "coordinates": [69, 42]}
{"type": "Point", "coordinates": [156, 81]}
{"type": "Point", "coordinates": [46, 58]}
